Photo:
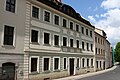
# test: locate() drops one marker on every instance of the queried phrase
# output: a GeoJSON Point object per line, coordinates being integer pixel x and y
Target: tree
{"type": "Point", "coordinates": [117, 52]}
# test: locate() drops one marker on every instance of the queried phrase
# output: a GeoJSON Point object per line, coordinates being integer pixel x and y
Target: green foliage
{"type": "Point", "coordinates": [117, 52]}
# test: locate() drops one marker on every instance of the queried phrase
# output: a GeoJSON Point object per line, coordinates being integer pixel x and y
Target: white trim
{"type": "Point", "coordinates": [49, 37]}
{"type": "Point", "coordinates": [14, 35]}
{"type": "Point", "coordinates": [16, 6]}
{"type": "Point", "coordinates": [38, 34]}
{"type": "Point", "coordinates": [54, 39]}
{"type": "Point", "coordinates": [58, 63]}
{"type": "Point", "coordinates": [66, 63]}
{"type": "Point", "coordinates": [43, 63]}
{"type": "Point", "coordinates": [37, 63]}
{"type": "Point", "coordinates": [39, 15]}
{"type": "Point", "coordinates": [44, 14]}
{"type": "Point", "coordinates": [66, 22]}
{"type": "Point", "coordinates": [54, 19]}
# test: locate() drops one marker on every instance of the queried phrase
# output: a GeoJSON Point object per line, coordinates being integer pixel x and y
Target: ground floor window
{"type": "Point", "coordinates": [83, 62]}
{"type": "Point", "coordinates": [65, 63]}
{"type": "Point", "coordinates": [46, 64]}
{"type": "Point", "coordinates": [56, 63]}
{"type": "Point", "coordinates": [34, 64]}
{"type": "Point", "coordinates": [78, 62]}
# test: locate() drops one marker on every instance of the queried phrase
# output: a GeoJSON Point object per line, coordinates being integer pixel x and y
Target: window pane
{"type": "Point", "coordinates": [56, 63]}
{"type": "Point", "coordinates": [10, 5]}
{"type": "Point", "coordinates": [64, 23]}
{"type": "Point", "coordinates": [71, 25]}
{"type": "Point", "coordinates": [46, 38]}
{"type": "Point", "coordinates": [64, 41]}
{"type": "Point", "coordinates": [34, 36]}
{"type": "Point", "coordinates": [46, 64]}
{"type": "Point", "coordinates": [47, 16]}
{"type": "Point", "coordinates": [56, 39]}
{"type": "Point", "coordinates": [56, 21]}
{"type": "Point", "coordinates": [65, 63]}
{"type": "Point", "coordinates": [35, 12]}
{"type": "Point", "coordinates": [71, 42]}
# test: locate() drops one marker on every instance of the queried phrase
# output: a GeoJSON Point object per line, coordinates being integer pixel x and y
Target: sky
{"type": "Point", "coordinates": [103, 14]}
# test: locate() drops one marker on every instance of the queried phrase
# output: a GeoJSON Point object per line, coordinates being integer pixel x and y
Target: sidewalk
{"type": "Point", "coordinates": [86, 75]}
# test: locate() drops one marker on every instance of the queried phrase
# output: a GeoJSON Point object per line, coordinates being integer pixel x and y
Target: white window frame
{"type": "Point", "coordinates": [38, 34]}
{"type": "Point", "coordinates": [44, 14]}
{"type": "Point", "coordinates": [73, 25]}
{"type": "Point", "coordinates": [49, 37]}
{"type": "Point", "coordinates": [66, 63]}
{"type": "Point", "coordinates": [54, 19]}
{"type": "Point", "coordinates": [43, 63]}
{"type": "Point", "coordinates": [66, 22]}
{"type": "Point", "coordinates": [36, 7]}
{"type": "Point", "coordinates": [37, 63]}
{"type": "Point", "coordinates": [14, 35]}
{"type": "Point", "coordinates": [66, 42]}
{"type": "Point", "coordinates": [58, 64]}
{"type": "Point", "coordinates": [16, 5]}
{"type": "Point", "coordinates": [54, 39]}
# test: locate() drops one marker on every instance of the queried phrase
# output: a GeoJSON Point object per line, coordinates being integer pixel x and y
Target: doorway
{"type": "Point", "coordinates": [8, 71]}
{"type": "Point", "coordinates": [71, 65]}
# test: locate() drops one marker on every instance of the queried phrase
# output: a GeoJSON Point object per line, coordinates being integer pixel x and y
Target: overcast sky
{"type": "Point", "coordinates": [104, 14]}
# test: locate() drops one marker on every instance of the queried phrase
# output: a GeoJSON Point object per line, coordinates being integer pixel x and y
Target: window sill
{"type": "Point", "coordinates": [33, 73]}
{"type": "Point", "coordinates": [8, 46]}
{"type": "Point", "coordinates": [35, 43]}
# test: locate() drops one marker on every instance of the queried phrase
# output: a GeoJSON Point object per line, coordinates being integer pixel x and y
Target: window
{"type": "Point", "coordinates": [46, 16]}
{"type": "Point", "coordinates": [92, 62]}
{"type": "Point", "coordinates": [87, 32]}
{"type": "Point", "coordinates": [78, 63]}
{"type": "Point", "coordinates": [46, 38]}
{"type": "Point", "coordinates": [87, 62]}
{"type": "Point", "coordinates": [46, 64]}
{"type": "Point", "coordinates": [8, 35]}
{"type": "Point", "coordinates": [96, 39]}
{"type": "Point", "coordinates": [83, 63]}
{"type": "Point", "coordinates": [35, 12]}
{"type": "Point", "coordinates": [56, 40]}
{"type": "Point", "coordinates": [10, 5]}
{"type": "Point", "coordinates": [56, 63]}
{"type": "Point", "coordinates": [77, 43]}
{"type": "Point", "coordinates": [87, 46]}
{"type": "Point", "coordinates": [64, 23]}
{"type": "Point", "coordinates": [83, 46]}
{"type": "Point", "coordinates": [100, 65]}
{"type": "Point", "coordinates": [99, 51]}
{"type": "Point", "coordinates": [34, 36]}
{"type": "Point", "coordinates": [101, 41]}
{"type": "Point", "coordinates": [97, 64]}
{"type": "Point", "coordinates": [71, 25]}
{"type": "Point", "coordinates": [65, 63]}
{"type": "Point", "coordinates": [71, 42]}
{"type": "Point", "coordinates": [64, 41]}
{"type": "Point", "coordinates": [91, 34]}
{"type": "Point", "coordinates": [82, 30]}
{"type": "Point", "coordinates": [34, 64]}
{"type": "Point", "coordinates": [77, 27]}
{"type": "Point", "coordinates": [56, 19]}
{"type": "Point", "coordinates": [96, 50]}
{"type": "Point", "coordinates": [91, 47]}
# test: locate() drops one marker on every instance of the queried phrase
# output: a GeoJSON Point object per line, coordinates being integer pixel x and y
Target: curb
{"type": "Point", "coordinates": [86, 75]}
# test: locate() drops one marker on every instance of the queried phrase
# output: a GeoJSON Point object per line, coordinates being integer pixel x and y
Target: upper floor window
{"type": "Point", "coordinates": [83, 46]}
{"type": "Point", "coordinates": [10, 5]}
{"type": "Point", "coordinates": [47, 16]}
{"type": "Point", "coordinates": [96, 39]}
{"type": "Point", "coordinates": [77, 43]}
{"type": "Point", "coordinates": [77, 27]}
{"type": "Point", "coordinates": [56, 19]}
{"type": "Point", "coordinates": [91, 47]}
{"type": "Point", "coordinates": [71, 25]}
{"type": "Point", "coordinates": [87, 32]}
{"type": "Point", "coordinates": [71, 42]}
{"type": "Point", "coordinates": [34, 36]}
{"type": "Point", "coordinates": [8, 35]}
{"type": "Point", "coordinates": [87, 46]}
{"type": "Point", "coordinates": [82, 30]}
{"type": "Point", "coordinates": [35, 12]}
{"type": "Point", "coordinates": [96, 50]}
{"type": "Point", "coordinates": [64, 23]}
{"type": "Point", "coordinates": [64, 41]}
{"type": "Point", "coordinates": [91, 34]}
{"type": "Point", "coordinates": [56, 40]}
{"type": "Point", "coordinates": [87, 62]}
{"type": "Point", "coordinates": [46, 38]}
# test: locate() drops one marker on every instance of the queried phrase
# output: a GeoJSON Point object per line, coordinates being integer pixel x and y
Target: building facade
{"type": "Point", "coordinates": [45, 39]}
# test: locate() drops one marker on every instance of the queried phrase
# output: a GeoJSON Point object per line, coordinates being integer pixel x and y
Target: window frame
{"type": "Point", "coordinates": [66, 22]}
{"type": "Point", "coordinates": [54, 19]}
{"type": "Point", "coordinates": [44, 16]}
{"type": "Point", "coordinates": [58, 39]}
{"type": "Point", "coordinates": [66, 41]}
{"type": "Point", "coordinates": [70, 25]}
{"type": "Point", "coordinates": [66, 63]}
{"type": "Point", "coordinates": [78, 27]}
{"type": "Point", "coordinates": [38, 11]}
{"type": "Point", "coordinates": [38, 58]}
{"type": "Point", "coordinates": [71, 45]}
{"type": "Point", "coordinates": [14, 35]}
{"type": "Point", "coordinates": [49, 38]}
{"type": "Point", "coordinates": [54, 64]}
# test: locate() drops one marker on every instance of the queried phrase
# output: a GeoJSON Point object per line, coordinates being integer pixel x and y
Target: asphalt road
{"type": "Point", "coordinates": [111, 75]}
